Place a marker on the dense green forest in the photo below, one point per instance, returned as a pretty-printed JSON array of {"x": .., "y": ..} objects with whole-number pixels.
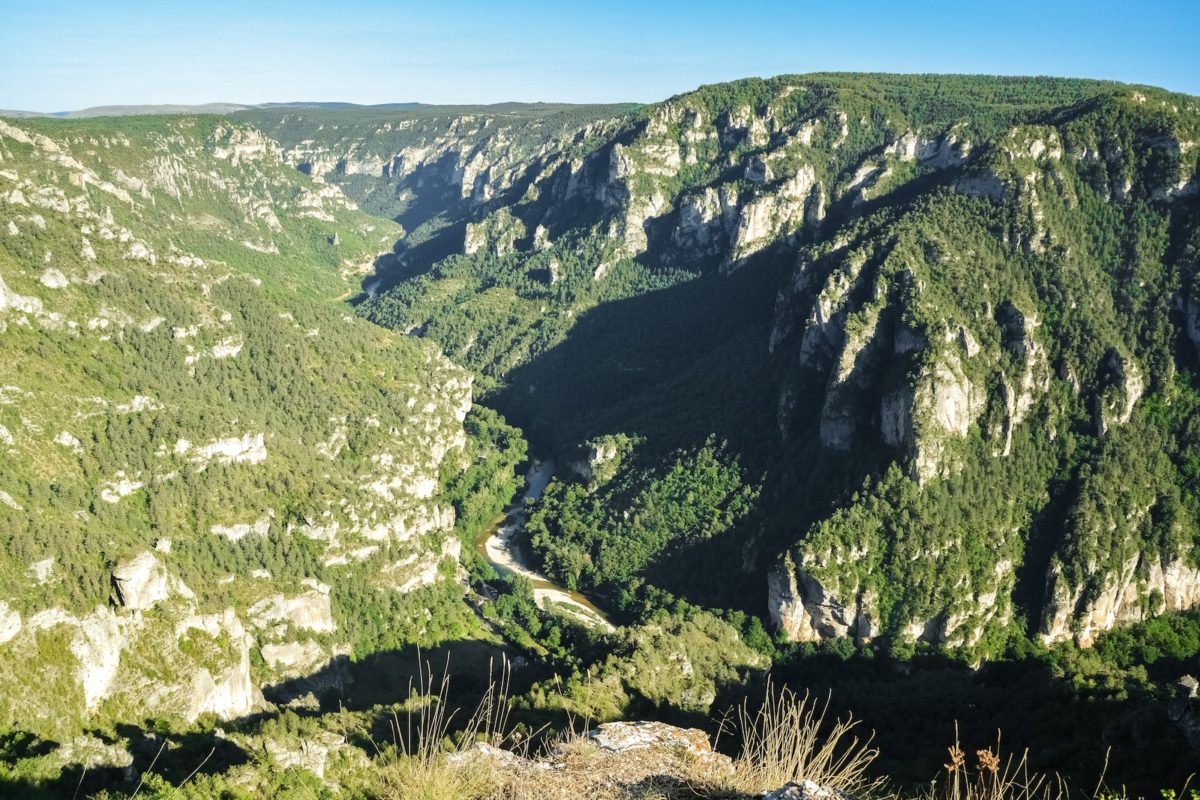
[
  {"x": 882, "y": 386},
  {"x": 951, "y": 385},
  {"x": 1052, "y": 197},
  {"x": 194, "y": 425}
]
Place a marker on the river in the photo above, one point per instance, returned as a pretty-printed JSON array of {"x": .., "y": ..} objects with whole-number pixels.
[{"x": 500, "y": 546}]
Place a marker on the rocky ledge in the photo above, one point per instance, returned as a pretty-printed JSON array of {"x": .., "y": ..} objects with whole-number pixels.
[{"x": 626, "y": 760}]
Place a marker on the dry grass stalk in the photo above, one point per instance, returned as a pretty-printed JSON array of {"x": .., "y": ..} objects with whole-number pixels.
[
  {"x": 993, "y": 779},
  {"x": 787, "y": 739},
  {"x": 421, "y": 769}
]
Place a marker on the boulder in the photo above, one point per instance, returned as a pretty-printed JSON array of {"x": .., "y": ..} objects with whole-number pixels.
[
  {"x": 806, "y": 790},
  {"x": 691, "y": 743}
]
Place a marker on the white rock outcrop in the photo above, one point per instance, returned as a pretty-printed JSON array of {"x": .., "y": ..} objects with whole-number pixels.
[
  {"x": 1140, "y": 588},
  {"x": 10, "y": 623},
  {"x": 240, "y": 530},
  {"x": 98, "y": 643},
  {"x": 311, "y": 754},
  {"x": 775, "y": 215},
  {"x": 248, "y": 449},
  {"x": 310, "y": 610},
  {"x": 143, "y": 582},
  {"x": 1116, "y": 401},
  {"x": 921, "y": 419},
  {"x": 230, "y": 693},
  {"x": 801, "y": 607},
  {"x": 290, "y": 659},
  {"x": 54, "y": 279}
]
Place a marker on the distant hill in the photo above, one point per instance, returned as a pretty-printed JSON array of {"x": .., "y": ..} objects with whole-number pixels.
[{"x": 205, "y": 108}]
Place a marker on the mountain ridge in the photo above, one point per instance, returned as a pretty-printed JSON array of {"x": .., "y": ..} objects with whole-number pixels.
[
  {"x": 884, "y": 384},
  {"x": 157, "y": 109},
  {"x": 647, "y": 218}
]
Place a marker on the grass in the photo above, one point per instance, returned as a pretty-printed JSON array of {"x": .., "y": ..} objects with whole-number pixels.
[
  {"x": 425, "y": 761},
  {"x": 788, "y": 738},
  {"x": 993, "y": 780},
  {"x": 439, "y": 752}
]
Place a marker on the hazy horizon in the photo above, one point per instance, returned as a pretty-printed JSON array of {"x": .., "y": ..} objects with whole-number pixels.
[
  {"x": 332, "y": 101},
  {"x": 69, "y": 56}
]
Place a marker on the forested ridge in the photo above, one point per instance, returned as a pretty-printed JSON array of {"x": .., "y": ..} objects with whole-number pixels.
[
  {"x": 904, "y": 362},
  {"x": 882, "y": 385}
]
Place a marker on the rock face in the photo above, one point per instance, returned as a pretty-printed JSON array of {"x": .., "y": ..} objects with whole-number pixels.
[
  {"x": 498, "y": 234},
  {"x": 944, "y": 405},
  {"x": 228, "y": 692},
  {"x": 465, "y": 161},
  {"x": 1114, "y": 406},
  {"x": 807, "y": 609},
  {"x": 158, "y": 484},
  {"x": 10, "y": 622},
  {"x": 248, "y": 449},
  {"x": 409, "y": 574},
  {"x": 855, "y": 332},
  {"x": 807, "y": 612},
  {"x": 771, "y": 188},
  {"x": 143, "y": 582},
  {"x": 910, "y": 342},
  {"x": 600, "y": 459},
  {"x": 98, "y": 642},
  {"x": 596, "y": 456},
  {"x": 309, "y": 611},
  {"x": 311, "y": 754},
  {"x": 1143, "y": 587},
  {"x": 121, "y": 655},
  {"x": 92, "y": 752},
  {"x": 1184, "y": 709},
  {"x": 707, "y": 220},
  {"x": 294, "y": 658},
  {"x": 775, "y": 215}
]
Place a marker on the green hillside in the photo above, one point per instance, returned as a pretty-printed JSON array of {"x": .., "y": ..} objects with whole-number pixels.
[
  {"x": 879, "y": 385},
  {"x": 206, "y": 456}
]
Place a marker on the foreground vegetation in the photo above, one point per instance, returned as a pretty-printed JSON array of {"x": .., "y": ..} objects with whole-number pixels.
[{"x": 1087, "y": 718}]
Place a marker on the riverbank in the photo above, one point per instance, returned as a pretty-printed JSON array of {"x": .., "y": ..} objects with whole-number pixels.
[{"x": 500, "y": 545}]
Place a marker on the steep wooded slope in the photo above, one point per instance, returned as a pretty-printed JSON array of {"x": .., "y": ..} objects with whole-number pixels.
[
  {"x": 214, "y": 477},
  {"x": 929, "y": 320}
]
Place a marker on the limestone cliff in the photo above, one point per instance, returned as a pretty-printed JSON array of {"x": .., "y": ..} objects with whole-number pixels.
[
  {"x": 177, "y": 282},
  {"x": 978, "y": 294},
  {"x": 929, "y": 337}
]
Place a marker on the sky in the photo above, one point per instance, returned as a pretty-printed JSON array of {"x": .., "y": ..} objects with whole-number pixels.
[{"x": 71, "y": 54}]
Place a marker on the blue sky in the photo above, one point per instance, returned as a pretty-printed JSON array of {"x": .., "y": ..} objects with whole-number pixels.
[{"x": 67, "y": 55}]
